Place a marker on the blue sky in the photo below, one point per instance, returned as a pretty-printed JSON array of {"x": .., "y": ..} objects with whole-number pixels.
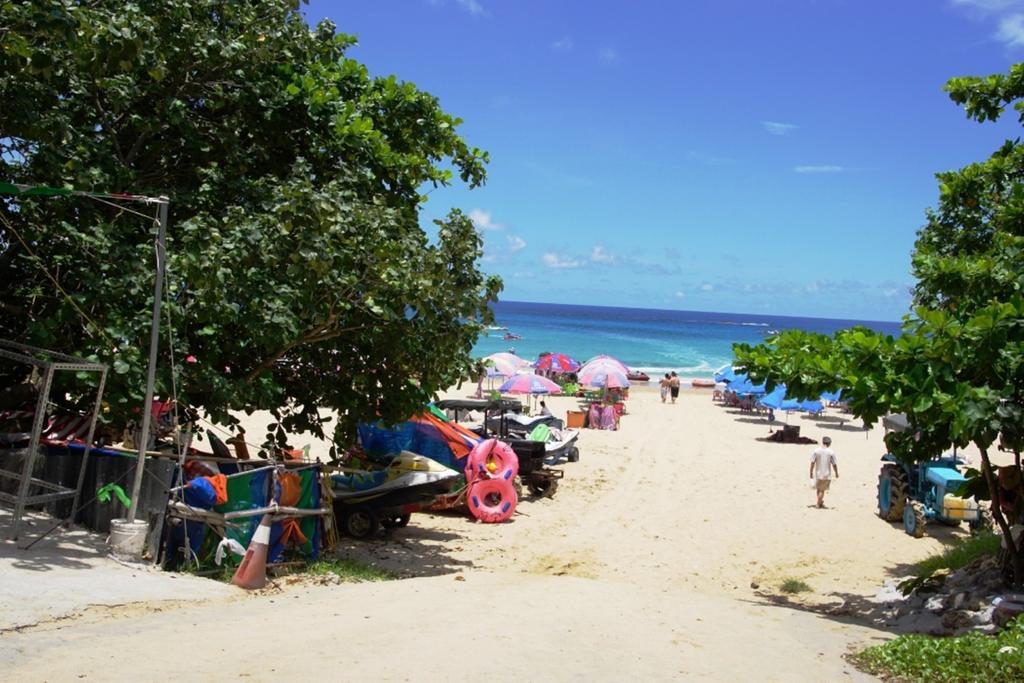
[{"x": 726, "y": 156}]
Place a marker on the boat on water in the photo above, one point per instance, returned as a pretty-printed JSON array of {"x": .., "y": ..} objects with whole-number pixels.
[
  {"x": 497, "y": 328},
  {"x": 638, "y": 376},
  {"x": 509, "y": 336}
]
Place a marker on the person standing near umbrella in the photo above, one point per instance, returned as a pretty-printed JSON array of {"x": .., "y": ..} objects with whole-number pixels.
[{"x": 673, "y": 386}]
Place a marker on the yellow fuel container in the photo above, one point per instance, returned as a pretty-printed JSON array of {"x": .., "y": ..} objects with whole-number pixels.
[{"x": 955, "y": 507}]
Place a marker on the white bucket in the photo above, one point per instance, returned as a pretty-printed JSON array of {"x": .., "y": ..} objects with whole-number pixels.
[{"x": 127, "y": 540}]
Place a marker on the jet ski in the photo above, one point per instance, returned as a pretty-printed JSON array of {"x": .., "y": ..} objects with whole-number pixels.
[{"x": 366, "y": 500}]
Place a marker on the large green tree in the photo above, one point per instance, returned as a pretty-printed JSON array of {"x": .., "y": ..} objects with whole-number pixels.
[
  {"x": 300, "y": 277},
  {"x": 957, "y": 369}
]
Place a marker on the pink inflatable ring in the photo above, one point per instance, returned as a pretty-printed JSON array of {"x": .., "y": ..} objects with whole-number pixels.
[
  {"x": 491, "y": 459},
  {"x": 492, "y": 500}
]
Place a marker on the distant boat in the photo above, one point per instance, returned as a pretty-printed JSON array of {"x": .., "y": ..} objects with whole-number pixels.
[
  {"x": 511, "y": 337},
  {"x": 637, "y": 376}
]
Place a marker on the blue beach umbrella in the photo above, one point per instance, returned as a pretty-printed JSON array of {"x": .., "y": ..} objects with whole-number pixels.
[
  {"x": 726, "y": 374},
  {"x": 832, "y": 396},
  {"x": 742, "y": 385}
]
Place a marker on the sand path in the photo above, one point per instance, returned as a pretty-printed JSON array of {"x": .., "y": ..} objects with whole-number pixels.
[{"x": 642, "y": 564}]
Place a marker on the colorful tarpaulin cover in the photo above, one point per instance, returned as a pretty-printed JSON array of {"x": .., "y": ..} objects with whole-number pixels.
[{"x": 445, "y": 442}]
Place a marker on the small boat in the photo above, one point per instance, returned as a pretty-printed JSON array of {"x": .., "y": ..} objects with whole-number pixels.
[
  {"x": 365, "y": 500},
  {"x": 637, "y": 376},
  {"x": 512, "y": 337},
  {"x": 497, "y": 328},
  {"x": 703, "y": 383}
]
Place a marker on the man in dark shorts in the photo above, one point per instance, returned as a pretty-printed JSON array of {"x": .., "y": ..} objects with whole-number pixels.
[{"x": 673, "y": 386}]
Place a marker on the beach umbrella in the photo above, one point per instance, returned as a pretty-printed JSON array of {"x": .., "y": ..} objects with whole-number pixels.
[
  {"x": 777, "y": 400},
  {"x": 529, "y": 384},
  {"x": 726, "y": 374},
  {"x": 499, "y": 367},
  {"x": 611, "y": 379},
  {"x": 510, "y": 358},
  {"x": 606, "y": 360},
  {"x": 607, "y": 376},
  {"x": 832, "y": 396},
  {"x": 743, "y": 385},
  {"x": 557, "y": 362}
]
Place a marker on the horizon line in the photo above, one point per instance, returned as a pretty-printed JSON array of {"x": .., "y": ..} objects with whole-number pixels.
[{"x": 689, "y": 310}]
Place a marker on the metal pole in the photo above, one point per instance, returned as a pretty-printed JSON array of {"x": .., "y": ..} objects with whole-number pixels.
[{"x": 154, "y": 338}]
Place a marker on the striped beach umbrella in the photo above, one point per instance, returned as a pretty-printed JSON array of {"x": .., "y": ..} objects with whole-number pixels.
[
  {"x": 557, "y": 362},
  {"x": 529, "y": 384}
]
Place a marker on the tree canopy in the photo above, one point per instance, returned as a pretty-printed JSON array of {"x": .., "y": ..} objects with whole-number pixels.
[
  {"x": 957, "y": 369},
  {"x": 300, "y": 277}
]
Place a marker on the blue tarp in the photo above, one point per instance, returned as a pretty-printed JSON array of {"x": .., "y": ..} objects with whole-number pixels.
[{"x": 778, "y": 401}]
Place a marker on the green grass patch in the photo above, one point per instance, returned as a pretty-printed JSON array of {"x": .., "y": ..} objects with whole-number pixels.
[
  {"x": 971, "y": 657},
  {"x": 930, "y": 572},
  {"x": 794, "y": 586},
  {"x": 349, "y": 571},
  {"x": 960, "y": 554}
]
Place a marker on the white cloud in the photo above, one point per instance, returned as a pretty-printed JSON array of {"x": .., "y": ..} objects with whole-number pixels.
[
  {"x": 818, "y": 169},
  {"x": 564, "y": 43},
  {"x": 600, "y": 255},
  {"x": 482, "y": 220},
  {"x": 1011, "y": 30},
  {"x": 525, "y": 274},
  {"x": 889, "y": 293},
  {"x": 515, "y": 243},
  {"x": 1008, "y": 13},
  {"x": 609, "y": 55},
  {"x": 471, "y": 6},
  {"x": 777, "y": 128},
  {"x": 989, "y": 6},
  {"x": 707, "y": 287},
  {"x": 680, "y": 295},
  {"x": 553, "y": 260}
]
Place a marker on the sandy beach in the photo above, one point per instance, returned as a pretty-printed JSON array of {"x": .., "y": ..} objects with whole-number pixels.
[{"x": 660, "y": 556}]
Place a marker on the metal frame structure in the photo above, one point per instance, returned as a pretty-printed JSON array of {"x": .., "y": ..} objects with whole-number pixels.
[{"x": 48, "y": 362}]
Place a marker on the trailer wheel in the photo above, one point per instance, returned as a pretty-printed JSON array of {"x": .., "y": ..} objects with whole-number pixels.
[
  {"x": 545, "y": 488},
  {"x": 892, "y": 493},
  {"x": 573, "y": 455},
  {"x": 396, "y": 521},
  {"x": 361, "y": 522},
  {"x": 913, "y": 519}
]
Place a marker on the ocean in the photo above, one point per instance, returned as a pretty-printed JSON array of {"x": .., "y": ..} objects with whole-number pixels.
[{"x": 692, "y": 343}]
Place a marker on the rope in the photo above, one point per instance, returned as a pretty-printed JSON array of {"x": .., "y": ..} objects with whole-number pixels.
[{"x": 39, "y": 264}]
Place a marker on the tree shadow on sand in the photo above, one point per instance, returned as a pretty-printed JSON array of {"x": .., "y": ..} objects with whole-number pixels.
[
  {"x": 851, "y": 608},
  {"x": 411, "y": 551},
  {"x": 62, "y": 548}
]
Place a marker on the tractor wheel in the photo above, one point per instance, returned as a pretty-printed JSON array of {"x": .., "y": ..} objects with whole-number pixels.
[
  {"x": 913, "y": 519},
  {"x": 983, "y": 523},
  {"x": 892, "y": 493},
  {"x": 544, "y": 488},
  {"x": 396, "y": 522},
  {"x": 361, "y": 523}
]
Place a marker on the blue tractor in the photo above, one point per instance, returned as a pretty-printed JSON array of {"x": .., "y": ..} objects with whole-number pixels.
[{"x": 927, "y": 490}]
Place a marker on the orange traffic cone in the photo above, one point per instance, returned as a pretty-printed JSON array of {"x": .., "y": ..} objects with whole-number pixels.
[{"x": 252, "y": 573}]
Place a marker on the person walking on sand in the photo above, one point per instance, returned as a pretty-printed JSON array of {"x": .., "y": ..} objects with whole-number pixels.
[
  {"x": 663, "y": 383},
  {"x": 673, "y": 386},
  {"x": 823, "y": 463}
]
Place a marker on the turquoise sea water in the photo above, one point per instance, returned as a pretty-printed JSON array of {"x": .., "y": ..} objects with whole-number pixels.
[{"x": 694, "y": 344}]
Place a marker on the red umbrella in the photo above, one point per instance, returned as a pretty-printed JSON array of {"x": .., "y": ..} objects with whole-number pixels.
[{"x": 557, "y": 362}]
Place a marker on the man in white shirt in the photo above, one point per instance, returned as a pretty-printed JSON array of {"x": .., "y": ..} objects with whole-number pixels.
[{"x": 823, "y": 463}]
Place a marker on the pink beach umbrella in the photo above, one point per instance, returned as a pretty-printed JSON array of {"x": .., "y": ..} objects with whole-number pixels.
[
  {"x": 529, "y": 384},
  {"x": 605, "y": 361},
  {"x": 606, "y": 376},
  {"x": 504, "y": 364}
]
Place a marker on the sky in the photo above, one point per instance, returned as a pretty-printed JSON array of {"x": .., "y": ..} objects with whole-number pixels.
[{"x": 726, "y": 155}]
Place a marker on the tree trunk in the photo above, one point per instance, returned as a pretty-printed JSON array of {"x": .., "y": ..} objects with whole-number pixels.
[{"x": 997, "y": 514}]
